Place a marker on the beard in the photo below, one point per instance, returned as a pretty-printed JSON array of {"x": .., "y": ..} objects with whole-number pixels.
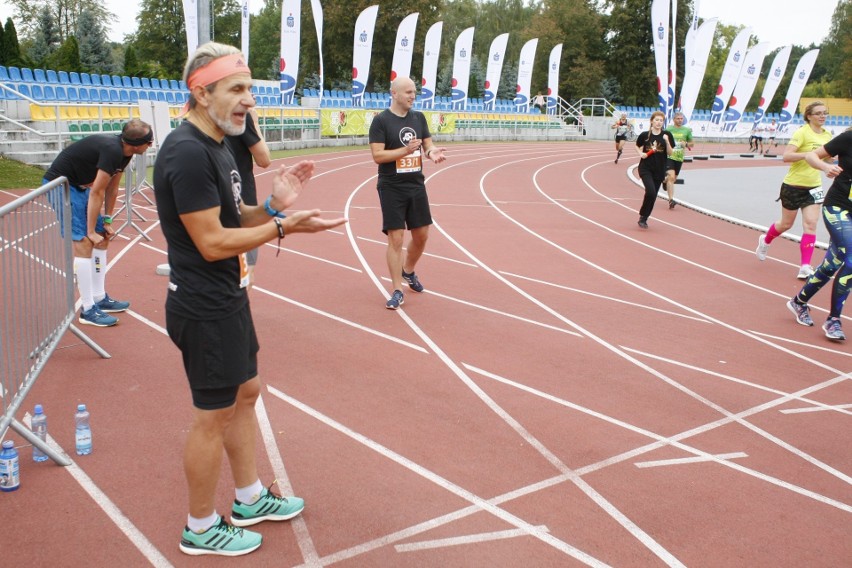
[{"x": 228, "y": 127}]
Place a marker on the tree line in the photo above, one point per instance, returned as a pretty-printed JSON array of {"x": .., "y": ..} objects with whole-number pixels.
[{"x": 606, "y": 44}]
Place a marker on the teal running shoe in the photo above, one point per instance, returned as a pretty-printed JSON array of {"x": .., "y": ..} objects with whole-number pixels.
[
  {"x": 270, "y": 507},
  {"x": 221, "y": 539}
]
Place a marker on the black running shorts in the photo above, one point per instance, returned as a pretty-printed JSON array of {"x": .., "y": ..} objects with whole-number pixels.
[
  {"x": 218, "y": 355},
  {"x": 403, "y": 208},
  {"x": 794, "y": 197}
]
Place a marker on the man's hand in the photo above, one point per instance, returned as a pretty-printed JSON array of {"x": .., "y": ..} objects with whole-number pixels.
[
  {"x": 310, "y": 222},
  {"x": 96, "y": 238},
  {"x": 437, "y": 155},
  {"x": 289, "y": 182}
]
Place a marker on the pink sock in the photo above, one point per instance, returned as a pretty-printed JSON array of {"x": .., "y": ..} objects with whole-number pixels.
[
  {"x": 771, "y": 234},
  {"x": 807, "y": 247}
]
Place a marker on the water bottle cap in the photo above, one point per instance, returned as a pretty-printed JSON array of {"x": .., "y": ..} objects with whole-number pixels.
[
  {"x": 81, "y": 407},
  {"x": 8, "y": 444},
  {"x": 39, "y": 409}
]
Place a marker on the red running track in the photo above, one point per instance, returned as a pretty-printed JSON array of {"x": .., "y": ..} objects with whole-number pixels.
[{"x": 569, "y": 390}]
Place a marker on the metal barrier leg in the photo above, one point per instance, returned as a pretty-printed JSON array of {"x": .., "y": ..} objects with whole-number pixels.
[
  {"x": 88, "y": 341},
  {"x": 137, "y": 172},
  {"x": 28, "y": 435}
]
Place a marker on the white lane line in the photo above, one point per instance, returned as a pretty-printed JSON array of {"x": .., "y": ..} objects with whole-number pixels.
[
  {"x": 696, "y": 459},
  {"x": 820, "y": 408},
  {"x": 343, "y": 321},
  {"x": 462, "y": 540},
  {"x": 300, "y": 527},
  {"x": 831, "y": 350},
  {"x": 637, "y": 532},
  {"x": 663, "y": 441},
  {"x": 602, "y": 297},
  {"x": 444, "y": 258},
  {"x": 445, "y": 484},
  {"x": 102, "y": 500},
  {"x": 756, "y": 386}
]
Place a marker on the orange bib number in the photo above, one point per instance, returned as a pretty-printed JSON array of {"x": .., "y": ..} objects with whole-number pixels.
[
  {"x": 244, "y": 273},
  {"x": 409, "y": 164}
]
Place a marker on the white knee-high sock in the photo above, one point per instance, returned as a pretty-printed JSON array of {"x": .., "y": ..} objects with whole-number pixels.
[
  {"x": 99, "y": 266},
  {"x": 83, "y": 270}
]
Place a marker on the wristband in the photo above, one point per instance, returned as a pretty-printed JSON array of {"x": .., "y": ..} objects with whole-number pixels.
[
  {"x": 280, "y": 228},
  {"x": 270, "y": 211},
  {"x": 107, "y": 220}
]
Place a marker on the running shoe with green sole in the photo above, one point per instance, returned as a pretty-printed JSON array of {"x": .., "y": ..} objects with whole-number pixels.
[
  {"x": 270, "y": 507},
  {"x": 221, "y": 539}
]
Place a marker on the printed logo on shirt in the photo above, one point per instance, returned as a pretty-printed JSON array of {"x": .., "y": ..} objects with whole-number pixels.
[
  {"x": 237, "y": 188},
  {"x": 406, "y": 135}
]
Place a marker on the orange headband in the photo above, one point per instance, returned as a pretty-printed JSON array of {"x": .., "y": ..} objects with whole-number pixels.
[{"x": 218, "y": 69}]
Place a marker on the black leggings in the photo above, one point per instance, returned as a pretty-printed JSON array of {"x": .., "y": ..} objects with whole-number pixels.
[{"x": 652, "y": 185}]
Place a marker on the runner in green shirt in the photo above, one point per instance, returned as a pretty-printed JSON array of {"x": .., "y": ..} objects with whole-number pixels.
[{"x": 683, "y": 139}]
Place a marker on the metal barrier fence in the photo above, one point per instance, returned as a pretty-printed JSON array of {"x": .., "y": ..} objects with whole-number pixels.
[{"x": 37, "y": 296}]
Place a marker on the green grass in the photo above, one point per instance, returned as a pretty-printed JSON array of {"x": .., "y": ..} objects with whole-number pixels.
[{"x": 17, "y": 175}]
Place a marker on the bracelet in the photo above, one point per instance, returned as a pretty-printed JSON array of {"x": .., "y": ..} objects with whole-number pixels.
[
  {"x": 107, "y": 220},
  {"x": 280, "y": 228},
  {"x": 270, "y": 211}
]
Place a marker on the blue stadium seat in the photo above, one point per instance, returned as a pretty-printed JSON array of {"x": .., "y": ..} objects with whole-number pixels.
[
  {"x": 24, "y": 89},
  {"x": 15, "y": 74},
  {"x": 155, "y": 83},
  {"x": 106, "y": 80},
  {"x": 124, "y": 95},
  {"x": 93, "y": 94},
  {"x": 4, "y": 73},
  {"x": 61, "y": 93},
  {"x": 96, "y": 79},
  {"x": 182, "y": 85},
  {"x": 170, "y": 97},
  {"x": 85, "y": 79},
  {"x": 173, "y": 85},
  {"x": 103, "y": 95},
  {"x": 74, "y": 78},
  {"x": 116, "y": 81},
  {"x": 27, "y": 75},
  {"x": 146, "y": 83},
  {"x": 114, "y": 97},
  {"x": 143, "y": 95},
  {"x": 52, "y": 77},
  {"x": 39, "y": 76},
  {"x": 126, "y": 82},
  {"x": 37, "y": 92},
  {"x": 73, "y": 94},
  {"x": 161, "y": 96},
  {"x": 134, "y": 97},
  {"x": 137, "y": 84}
]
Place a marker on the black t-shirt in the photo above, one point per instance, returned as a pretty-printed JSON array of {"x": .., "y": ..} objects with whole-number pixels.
[
  {"x": 840, "y": 192},
  {"x": 394, "y": 132},
  {"x": 240, "y": 145},
  {"x": 656, "y": 162},
  {"x": 81, "y": 161},
  {"x": 194, "y": 173}
]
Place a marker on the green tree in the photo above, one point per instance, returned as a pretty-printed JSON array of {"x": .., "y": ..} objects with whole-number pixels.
[
  {"x": 65, "y": 15},
  {"x": 45, "y": 40},
  {"x": 226, "y": 22},
  {"x": 131, "y": 63},
  {"x": 160, "y": 38},
  {"x": 836, "y": 52},
  {"x": 67, "y": 57},
  {"x": 10, "y": 47},
  {"x": 95, "y": 53}
]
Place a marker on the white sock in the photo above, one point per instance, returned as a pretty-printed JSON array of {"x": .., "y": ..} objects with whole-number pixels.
[
  {"x": 99, "y": 266},
  {"x": 201, "y": 525},
  {"x": 249, "y": 495},
  {"x": 83, "y": 270}
]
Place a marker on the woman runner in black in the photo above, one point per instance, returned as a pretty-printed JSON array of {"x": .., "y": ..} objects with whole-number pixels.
[{"x": 654, "y": 147}]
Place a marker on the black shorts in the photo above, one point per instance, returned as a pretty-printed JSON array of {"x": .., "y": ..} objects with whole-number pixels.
[
  {"x": 620, "y": 137},
  {"x": 795, "y": 197},
  {"x": 218, "y": 355},
  {"x": 673, "y": 165},
  {"x": 403, "y": 208}
]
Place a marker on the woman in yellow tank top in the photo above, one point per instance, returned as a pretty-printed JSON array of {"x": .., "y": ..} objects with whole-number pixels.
[{"x": 801, "y": 189}]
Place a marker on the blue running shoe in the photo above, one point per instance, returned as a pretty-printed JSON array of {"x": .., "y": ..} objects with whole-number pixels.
[
  {"x": 269, "y": 507},
  {"x": 801, "y": 311},
  {"x": 413, "y": 281},
  {"x": 221, "y": 539},
  {"x": 108, "y": 305},
  {"x": 396, "y": 300},
  {"x": 93, "y": 316},
  {"x": 833, "y": 330}
]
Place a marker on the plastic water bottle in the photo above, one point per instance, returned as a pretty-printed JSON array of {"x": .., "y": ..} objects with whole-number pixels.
[
  {"x": 10, "y": 473},
  {"x": 39, "y": 426},
  {"x": 83, "y": 434}
]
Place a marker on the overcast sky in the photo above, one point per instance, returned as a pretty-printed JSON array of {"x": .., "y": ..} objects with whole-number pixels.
[{"x": 780, "y": 22}]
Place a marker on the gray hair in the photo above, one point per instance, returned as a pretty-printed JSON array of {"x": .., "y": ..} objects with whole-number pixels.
[{"x": 204, "y": 55}]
